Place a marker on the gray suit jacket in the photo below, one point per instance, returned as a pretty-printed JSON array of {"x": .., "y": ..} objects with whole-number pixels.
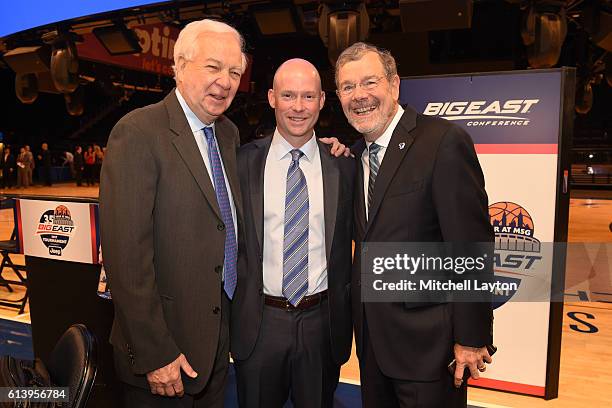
[{"x": 163, "y": 241}]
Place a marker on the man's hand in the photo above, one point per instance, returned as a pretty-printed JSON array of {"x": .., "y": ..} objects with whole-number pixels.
[
  {"x": 337, "y": 149},
  {"x": 472, "y": 358},
  {"x": 167, "y": 381}
]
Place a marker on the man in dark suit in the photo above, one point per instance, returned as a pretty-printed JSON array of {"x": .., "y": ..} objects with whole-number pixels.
[
  {"x": 171, "y": 219},
  {"x": 79, "y": 165},
  {"x": 45, "y": 161},
  {"x": 7, "y": 162},
  {"x": 418, "y": 180},
  {"x": 291, "y": 323}
]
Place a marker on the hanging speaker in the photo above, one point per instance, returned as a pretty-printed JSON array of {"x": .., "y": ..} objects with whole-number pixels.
[
  {"x": 27, "y": 60},
  {"x": 26, "y": 87},
  {"x": 543, "y": 34},
  {"x": 65, "y": 66}
]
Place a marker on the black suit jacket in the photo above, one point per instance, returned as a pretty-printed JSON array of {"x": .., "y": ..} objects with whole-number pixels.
[
  {"x": 429, "y": 188},
  {"x": 163, "y": 241},
  {"x": 247, "y": 306},
  {"x": 7, "y": 164}
]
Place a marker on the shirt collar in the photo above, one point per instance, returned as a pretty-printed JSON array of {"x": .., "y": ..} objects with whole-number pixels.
[
  {"x": 194, "y": 122},
  {"x": 385, "y": 138},
  {"x": 280, "y": 147}
]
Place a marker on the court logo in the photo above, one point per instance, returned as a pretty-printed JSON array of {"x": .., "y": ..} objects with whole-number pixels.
[
  {"x": 512, "y": 112},
  {"x": 517, "y": 250},
  {"x": 55, "y": 228}
]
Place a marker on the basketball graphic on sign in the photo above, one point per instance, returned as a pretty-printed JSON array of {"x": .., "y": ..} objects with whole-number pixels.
[
  {"x": 55, "y": 228},
  {"x": 516, "y": 248}
]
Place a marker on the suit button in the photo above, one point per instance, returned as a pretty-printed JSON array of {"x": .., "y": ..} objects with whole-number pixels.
[
  {"x": 260, "y": 291},
  {"x": 220, "y": 227},
  {"x": 218, "y": 268},
  {"x": 358, "y": 283},
  {"x": 216, "y": 309}
]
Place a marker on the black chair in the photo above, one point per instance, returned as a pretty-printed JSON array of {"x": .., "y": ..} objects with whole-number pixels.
[
  {"x": 73, "y": 363},
  {"x": 8, "y": 247}
]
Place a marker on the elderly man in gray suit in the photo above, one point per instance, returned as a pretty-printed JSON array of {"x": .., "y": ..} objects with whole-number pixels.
[{"x": 170, "y": 220}]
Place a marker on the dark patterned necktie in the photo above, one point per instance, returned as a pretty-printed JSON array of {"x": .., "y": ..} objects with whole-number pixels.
[
  {"x": 374, "y": 166},
  {"x": 231, "y": 247}
]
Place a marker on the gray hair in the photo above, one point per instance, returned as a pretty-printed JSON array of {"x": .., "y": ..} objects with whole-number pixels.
[
  {"x": 186, "y": 43},
  {"x": 356, "y": 51}
]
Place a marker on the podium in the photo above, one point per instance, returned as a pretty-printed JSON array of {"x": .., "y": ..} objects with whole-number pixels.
[{"x": 60, "y": 240}]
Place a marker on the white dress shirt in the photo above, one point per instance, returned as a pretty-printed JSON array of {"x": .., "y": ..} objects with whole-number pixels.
[
  {"x": 275, "y": 188},
  {"x": 383, "y": 142},
  {"x": 196, "y": 126}
]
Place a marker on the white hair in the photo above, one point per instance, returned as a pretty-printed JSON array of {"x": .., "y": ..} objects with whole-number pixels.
[{"x": 186, "y": 43}]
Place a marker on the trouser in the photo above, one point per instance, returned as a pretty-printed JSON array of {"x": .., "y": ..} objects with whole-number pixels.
[
  {"x": 292, "y": 357},
  {"x": 381, "y": 391}
]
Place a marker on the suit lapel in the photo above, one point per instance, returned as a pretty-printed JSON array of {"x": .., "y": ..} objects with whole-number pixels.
[
  {"x": 331, "y": 190},
  {"x": 359, "y": 203},
  {"x": 400, "y": 143},
  {"x": 188, "y": 149},
  {"x": 257, "y": 165}
]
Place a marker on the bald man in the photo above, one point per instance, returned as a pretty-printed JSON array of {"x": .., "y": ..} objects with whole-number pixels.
[{"x": 291, "y": 322}]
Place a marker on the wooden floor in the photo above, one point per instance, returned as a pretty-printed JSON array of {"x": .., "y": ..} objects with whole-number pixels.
[{"x": 586, "y": 358}]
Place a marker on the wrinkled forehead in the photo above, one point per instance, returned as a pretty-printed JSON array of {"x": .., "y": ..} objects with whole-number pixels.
[{"x": 369, "y": 65}]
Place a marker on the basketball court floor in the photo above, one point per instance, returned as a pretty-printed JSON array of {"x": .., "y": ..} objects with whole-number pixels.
[{"x": 586, "y": 350}]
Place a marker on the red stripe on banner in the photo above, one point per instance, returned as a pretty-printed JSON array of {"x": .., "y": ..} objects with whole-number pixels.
[
  {"x": 517, "y": 148},
  {"x": 92, "y": 224},
  {"x": 19, "y": 228},
  {"x": 508, "y": 386}
]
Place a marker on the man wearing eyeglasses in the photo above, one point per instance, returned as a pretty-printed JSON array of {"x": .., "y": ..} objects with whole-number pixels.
[{"x": 418, "y": 180}]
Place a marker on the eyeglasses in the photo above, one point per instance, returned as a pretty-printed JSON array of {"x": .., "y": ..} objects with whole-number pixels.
[{"x": 367, "y": 85}]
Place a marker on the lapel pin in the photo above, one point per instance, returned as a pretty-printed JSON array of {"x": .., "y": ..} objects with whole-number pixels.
[{"x": 402, "y": 145}]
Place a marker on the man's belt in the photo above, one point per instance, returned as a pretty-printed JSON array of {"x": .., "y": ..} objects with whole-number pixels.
[{"x": 306, "y": 302}]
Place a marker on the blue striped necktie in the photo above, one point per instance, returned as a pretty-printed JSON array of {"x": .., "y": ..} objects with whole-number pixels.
[
  {"x": 295, "y": 243},
  {"x": 374, "y": 166},
  {"x": 231, "y": 247}
]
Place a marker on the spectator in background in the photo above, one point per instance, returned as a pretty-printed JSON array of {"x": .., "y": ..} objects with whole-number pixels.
[
  {"x": 23, "y": 168},
  {"x": 78, "y": 165},
  {"x": 99, "y": 158},
  {"x": 7, "y": 163},
  {"x": 90, "y": 162},
  {"x": 69, "y": 160},
  {"x": 45, "y": 160},
  {"x": 32, "y": 165}
]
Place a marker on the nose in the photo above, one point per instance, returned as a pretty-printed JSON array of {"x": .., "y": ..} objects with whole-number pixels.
[
  {"x": 298, "y": 106},
  {"x": 359, "y": 93},
  {"x": 224, "y": 80}
]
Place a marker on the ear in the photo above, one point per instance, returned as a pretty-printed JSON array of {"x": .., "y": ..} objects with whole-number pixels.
[
  {"x": 271, "y": 98},
  {"x": 180, "y": 66},
  {"x": 395, "y": 87},
  {"x": 322, "y": 100}
]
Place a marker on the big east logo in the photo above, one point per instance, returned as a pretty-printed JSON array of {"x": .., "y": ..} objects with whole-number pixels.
[
  {"x": 55, "y": 229},
  {"x": 511, "y": 112},
  {"x": 517, "y": 251}
]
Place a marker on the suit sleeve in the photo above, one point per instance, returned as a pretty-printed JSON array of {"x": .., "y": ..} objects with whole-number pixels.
[
  {"x": 127, "y": 201},
  {"x": 461, "y": 204}
]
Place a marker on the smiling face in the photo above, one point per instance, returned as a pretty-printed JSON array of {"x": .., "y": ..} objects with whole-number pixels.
[
  {"x": 209, "y": 81},
  {"x": 297, "y": 99},
  {"x": 368, "y": 111}
]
